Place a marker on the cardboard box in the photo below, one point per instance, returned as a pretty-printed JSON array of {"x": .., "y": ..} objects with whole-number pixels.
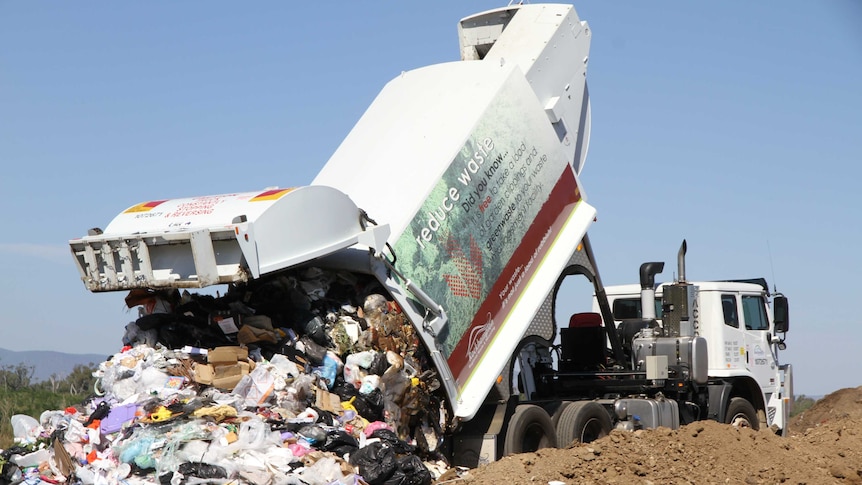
[
  {"x": 225, "y": 367},
  {"x": 227, "y": 355}
]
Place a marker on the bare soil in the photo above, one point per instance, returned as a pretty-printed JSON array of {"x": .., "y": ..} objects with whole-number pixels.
[{"x": 824, "y": 447}]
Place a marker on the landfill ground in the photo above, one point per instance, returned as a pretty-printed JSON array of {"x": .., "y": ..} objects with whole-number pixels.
[{"x": 824, "y": 447}]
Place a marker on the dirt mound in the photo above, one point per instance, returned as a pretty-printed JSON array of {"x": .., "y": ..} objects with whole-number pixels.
[
  {"x": 706, "y": 452},
  {"x": 840, "y": 405}
]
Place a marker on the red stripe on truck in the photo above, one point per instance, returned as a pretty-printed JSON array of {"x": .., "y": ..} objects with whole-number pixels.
[{"x": 500, "y": 301}]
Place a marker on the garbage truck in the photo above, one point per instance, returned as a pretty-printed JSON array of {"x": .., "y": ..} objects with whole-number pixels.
[{"x": 457, "y": 195}]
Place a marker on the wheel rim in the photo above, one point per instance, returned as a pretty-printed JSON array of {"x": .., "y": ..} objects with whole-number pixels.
[
  {"x": 740, "y": 421},
  {"x": 592, "y": 431},
  {"x": 530, "y": 429},
  {"x": 534, "y": 438}
]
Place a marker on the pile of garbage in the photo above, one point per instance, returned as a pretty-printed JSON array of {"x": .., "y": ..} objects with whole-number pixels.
[{"x": 306, "y": 378}]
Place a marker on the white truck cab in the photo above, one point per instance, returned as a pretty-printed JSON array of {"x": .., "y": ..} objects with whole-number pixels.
[{"x": 736, "y": 319}]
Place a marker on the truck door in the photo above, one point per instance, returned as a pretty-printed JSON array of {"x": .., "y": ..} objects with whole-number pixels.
[{"x": 760, "y": 360}]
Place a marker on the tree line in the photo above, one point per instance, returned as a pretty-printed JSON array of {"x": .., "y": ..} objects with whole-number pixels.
[
  {"x": 20, "y": 393},
  {"x": 20, "y": 376}
]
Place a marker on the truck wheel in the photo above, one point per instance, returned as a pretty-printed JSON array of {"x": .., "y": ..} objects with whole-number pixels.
[
  {"x": 741, "y": 414},
  {"x": 582, "y": 422},
  {"x": 555, "y": 418},
  {"x": 530, "y": 429}
]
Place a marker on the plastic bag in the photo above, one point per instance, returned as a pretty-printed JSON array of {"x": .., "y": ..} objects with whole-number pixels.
[
  {"x": 362, "y": 359},
  {"x": 202, "y": 470},
  {"x": 375, "y": 303},
  {"x": 255, "y": 388},
  {"x": 255, "y": 434},
  {"x": 369, "y": 384},
  {"x": 376, "y": 463},
  {"x": 315, "y": 328},
  {"x": 137, "y": 450},
  {"x": 374, "y": 426},
  {"x": 370, "y": 406},
  {"x": 135, "y": 335},
  {"x": 313, "y": 434},
  {"x": 101, "y": 411},
  {"x": 410, "y": 471},
  {"x": 25, "y": 428},
  {"x": 389, "y": 437},
  {"x": 353, "y": 375},
  {"x": 379, "y": 365},
  {"x": 285, "y": 365},
  {"x": 322, "y": 472},
  {"x": 340, "y": 443},
  {"x": 328, "y": 370},
  {"x": 278, "y": 459},
  {"x": 312, "y": 350}
]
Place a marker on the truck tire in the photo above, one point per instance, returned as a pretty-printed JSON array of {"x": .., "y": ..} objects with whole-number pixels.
[
  {"x": 530, "y": 429},
  {"x": 582, "y": 422},
  {"x": 555, "y": 418},
  {"x": 741, "y": 414}
]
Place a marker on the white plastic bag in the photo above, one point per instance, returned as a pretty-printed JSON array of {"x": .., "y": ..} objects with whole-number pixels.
[
  {"x": 256, "y": 387},
  {"x": 25, "y": 429}
]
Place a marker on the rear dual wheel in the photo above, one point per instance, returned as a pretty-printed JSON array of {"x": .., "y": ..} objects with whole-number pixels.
[
  {"x": 530, "y": 429},
  {"x": 582, "y": 422}
]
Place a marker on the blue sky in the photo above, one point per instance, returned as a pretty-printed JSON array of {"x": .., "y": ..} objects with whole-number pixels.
[{"x": 736, "y": 125}]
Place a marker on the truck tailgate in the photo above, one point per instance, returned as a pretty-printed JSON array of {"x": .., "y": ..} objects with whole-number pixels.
[{"x": 200, "y": 241}]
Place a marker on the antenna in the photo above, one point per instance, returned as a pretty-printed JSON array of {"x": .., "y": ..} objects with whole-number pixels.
[{"x": 771, "y": 267}]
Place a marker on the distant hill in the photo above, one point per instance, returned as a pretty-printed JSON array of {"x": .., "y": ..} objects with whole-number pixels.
[{"x": 46, "y": 362}]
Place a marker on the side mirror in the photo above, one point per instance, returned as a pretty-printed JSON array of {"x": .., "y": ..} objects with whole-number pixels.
[{"x": 781, "y": 313}]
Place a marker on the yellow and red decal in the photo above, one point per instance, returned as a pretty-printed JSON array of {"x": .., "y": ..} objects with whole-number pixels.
[
  {"x": 144, "y": 206},
  {"x": 273, "y": 194}
]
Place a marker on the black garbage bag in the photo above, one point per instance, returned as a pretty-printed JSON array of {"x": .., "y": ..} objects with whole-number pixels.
[
  {"x": 340, "y": 443},
  {"x": 410, "y": 471},
  {"x": 177, "y": 334},
  {"x": 344, "y": 390},
  {"x": 202, "y": 470},
  {"x": 288, "y": 349},
  {"x": 343, "y": 450},
  {"x": 391, "y": 439},
  {"x": 100, "y": 412},
  {"x": 9, "y": 472},
  {"x": 339, "y": 438},
  {"x": 325, "y": 417},
  {"x": 155, "y": 320},
  {"x": 313, "y": 350},
  {"x": 299, "y": 300},
  {"x": 370, "y": 406},
  {"x": 379, "y": 365},
  {"x": 376, "y": 463},
  {"x": 315, "y": 328}
]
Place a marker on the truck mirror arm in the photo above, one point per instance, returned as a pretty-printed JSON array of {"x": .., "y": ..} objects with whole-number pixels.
[
  {"x": 433, "y": 326},
  {"x": 776, "y": 340}
]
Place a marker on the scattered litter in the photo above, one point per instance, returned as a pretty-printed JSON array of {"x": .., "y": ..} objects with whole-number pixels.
[{"x": 312, "y": 378}]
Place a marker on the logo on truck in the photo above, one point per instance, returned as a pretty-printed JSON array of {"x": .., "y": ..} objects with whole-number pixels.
[{"x": 479, "y": 337}]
